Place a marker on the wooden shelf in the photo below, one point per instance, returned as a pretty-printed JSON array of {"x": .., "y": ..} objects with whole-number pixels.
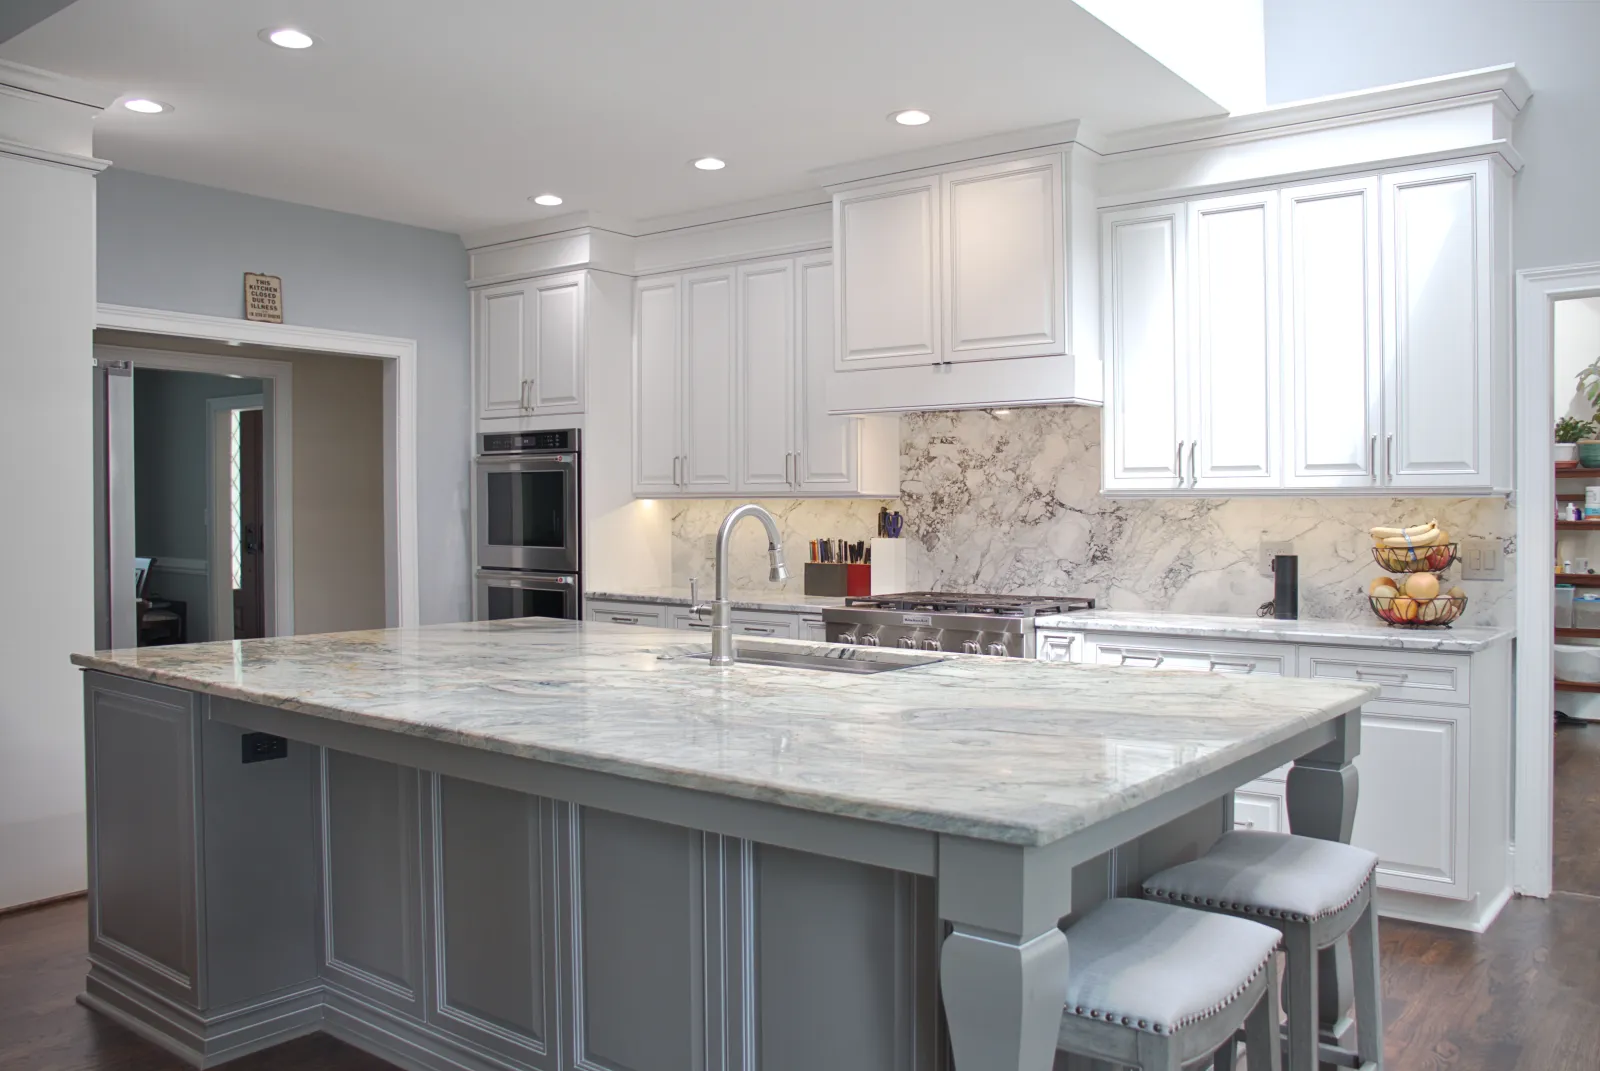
[
  {"x": 1572, "y": 474},
  {"x": 1579, "y": 580},
  {"x": 1578, "y": 526},
  {"x": 1576, "y": 686},
  {"x": 1578, "y": 633}
]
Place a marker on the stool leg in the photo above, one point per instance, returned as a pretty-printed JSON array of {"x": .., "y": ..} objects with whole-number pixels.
[
  {"x": 1368, "y": 984},
  {"x": 1263, "y": 1050},
  {"x": 1302, "y": 997},
  {"x": 1227, "y": 1057},
  {"x": 1159, "y": 1052}
]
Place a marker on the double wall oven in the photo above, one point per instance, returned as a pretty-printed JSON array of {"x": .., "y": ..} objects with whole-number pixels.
[{"x": 528, "y": 488}]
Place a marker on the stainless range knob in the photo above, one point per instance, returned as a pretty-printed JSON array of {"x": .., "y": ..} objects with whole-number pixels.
[
  {"x": 907, "y": 642},
  {"x": 998, "y": 650},
  {"x": 971, "y": 647},
  {"x": 870, "y": 639},
  {"x": 930, "y": 645},
  {"x": 847, "y": 637}
]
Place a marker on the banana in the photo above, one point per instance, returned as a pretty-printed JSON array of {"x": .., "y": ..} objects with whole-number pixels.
[
  {"x": 1427, "y": 539},
  {"x": 1413, "y": 532}
]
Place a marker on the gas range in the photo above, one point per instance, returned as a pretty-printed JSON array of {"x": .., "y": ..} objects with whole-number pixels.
[{"x": 998, "y": 625}]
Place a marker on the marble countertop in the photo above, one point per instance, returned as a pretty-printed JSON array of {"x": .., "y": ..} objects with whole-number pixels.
[
  {"x": 771, "y": 599},
  {"x": 1456, "y": 639},
  {"x": 1006, "y": 750}
]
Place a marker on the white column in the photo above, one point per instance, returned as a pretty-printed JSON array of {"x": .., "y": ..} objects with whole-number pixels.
[{"x": 47, "y": 312}]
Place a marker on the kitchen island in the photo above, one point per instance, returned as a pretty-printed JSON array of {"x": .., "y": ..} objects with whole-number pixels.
[{"x": 552, "y": 844}]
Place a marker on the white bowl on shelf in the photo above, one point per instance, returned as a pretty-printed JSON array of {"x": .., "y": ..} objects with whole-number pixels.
[{"x": 1578, "y": 664}]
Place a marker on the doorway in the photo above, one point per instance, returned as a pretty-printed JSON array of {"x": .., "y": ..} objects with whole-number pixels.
[{"x": 236, "y": 515}]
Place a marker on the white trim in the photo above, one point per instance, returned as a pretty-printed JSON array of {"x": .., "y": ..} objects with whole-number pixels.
[
  {"x": 187, "y": 566},
  {"x": 219, "y": 550},
  {"x": 400, "y": 415},
  {"x": 1532, "y": 810},
  {"x": 60, "y": 86},
  {"x": 65, "y": 159}
]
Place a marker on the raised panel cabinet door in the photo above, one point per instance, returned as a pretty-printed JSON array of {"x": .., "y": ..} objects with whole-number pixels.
[
  {"x": 494, "y": 926},
  {"x": 141, "y": 743},
  {"x": 766, "y": 376},
  {"x": 1438, "y": 301},
  {"x": 1414, "y": 804},
  {"x": 826, "y": 447},
  {"x": 1146, "y": 417},
  {"x": 1004, "y": 291},
  {"x": 503, "y": 335},
  {"x": 886, "y": 241},
  {"x": 1233, "y": 376},
  {"x": 657, "y": 377},
  {"x": 710, "y": 424},
  {"x": 639, "y": 962},
  {"x": 1332, "y": 333},
  {"x": 372, "y": 879},
  {"x": 559, "y": 311}
]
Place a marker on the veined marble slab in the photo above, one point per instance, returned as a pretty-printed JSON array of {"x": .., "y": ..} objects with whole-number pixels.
[
  {"x": 1457, "y": 639},
  {"x": 1006, "y": 750},
  {"x": 775, "y": 600}
]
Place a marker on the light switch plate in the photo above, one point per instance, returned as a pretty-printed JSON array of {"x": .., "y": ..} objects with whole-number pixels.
[
  {"x": 1482, "y": 559},
  {"x": 1271, "y": 548}
]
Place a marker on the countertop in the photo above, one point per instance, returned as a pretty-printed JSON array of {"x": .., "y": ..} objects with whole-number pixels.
[
  {"x": 771, "y": 600},
  {"x": 1455, "y": 639},
  {"x": 1005, "y": 750}
]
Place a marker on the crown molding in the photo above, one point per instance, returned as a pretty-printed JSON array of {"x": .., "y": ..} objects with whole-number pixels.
[
  {"x": 1072, "y": 132},
  {"x": 90, "y": 94}
]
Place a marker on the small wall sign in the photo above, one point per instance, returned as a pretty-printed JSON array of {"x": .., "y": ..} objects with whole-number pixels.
[{"x": 263, "y": 298}]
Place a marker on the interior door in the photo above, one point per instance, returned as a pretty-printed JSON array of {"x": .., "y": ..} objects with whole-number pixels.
[
  {"x": 1332, "y": 333},
  {"x": 766, "y": 376},
  {"x": 710, "y": 425},
  {"x": 1233, "y": 372},
  {"x": 1146, "y": 421},
  {"x": 249, "y": 598}
]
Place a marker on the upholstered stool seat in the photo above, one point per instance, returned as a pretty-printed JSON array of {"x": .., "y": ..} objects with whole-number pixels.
[
  {"x": 1157, "y": 987},
  {"x": 1314, "y": 892}
]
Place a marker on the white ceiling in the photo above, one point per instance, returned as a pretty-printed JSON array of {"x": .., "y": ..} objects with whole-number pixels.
[{"x": 450, "y": 115}]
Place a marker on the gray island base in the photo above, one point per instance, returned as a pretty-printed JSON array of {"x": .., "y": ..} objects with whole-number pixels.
[{"x": 565, "y": 845}]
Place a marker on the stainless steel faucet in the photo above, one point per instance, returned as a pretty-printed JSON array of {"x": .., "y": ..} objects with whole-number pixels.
[{"x": 721, "y": 610}]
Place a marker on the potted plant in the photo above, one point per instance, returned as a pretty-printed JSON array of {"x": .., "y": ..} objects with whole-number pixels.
[{"x": 1569, "y": 432}]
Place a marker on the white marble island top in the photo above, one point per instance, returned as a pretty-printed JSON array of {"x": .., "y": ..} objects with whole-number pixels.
[
  {"x": 1006, "y": 750},
  {"x": 1460, "y": 639}
]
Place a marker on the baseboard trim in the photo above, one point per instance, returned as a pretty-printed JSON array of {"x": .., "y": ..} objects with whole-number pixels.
[
  {"x": 48, "y": 901},
  {"x": 1475, "y": 915},
  {"x": 410, "y": 1045}
]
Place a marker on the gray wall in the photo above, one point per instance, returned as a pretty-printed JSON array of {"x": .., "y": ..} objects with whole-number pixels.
[
  {"x": 174, "y": 245},
  {"x": 1315, "y": 47},
  {"x": 169, "y": 478}
]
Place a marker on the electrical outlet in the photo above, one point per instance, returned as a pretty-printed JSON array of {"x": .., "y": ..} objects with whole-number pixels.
[
  {"x": 1482, "y": 559},
  {"x": 1271, "y": 548}
]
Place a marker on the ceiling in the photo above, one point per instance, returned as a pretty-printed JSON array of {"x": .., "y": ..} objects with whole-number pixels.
[{"x": 451, "y": 115}]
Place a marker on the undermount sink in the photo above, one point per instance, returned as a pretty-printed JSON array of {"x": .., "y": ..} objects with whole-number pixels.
[{"x": 823, "y": 659}]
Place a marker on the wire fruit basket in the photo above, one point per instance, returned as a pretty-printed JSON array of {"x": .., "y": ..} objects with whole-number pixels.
[
  {"x": 1402, "y": 611},
  {"x": 1434, "y": 559}
]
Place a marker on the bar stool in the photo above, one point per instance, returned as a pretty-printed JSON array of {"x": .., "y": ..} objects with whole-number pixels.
[
  {"x": 1315, "y": 892},
  {"x": 1157, "y": 987}
]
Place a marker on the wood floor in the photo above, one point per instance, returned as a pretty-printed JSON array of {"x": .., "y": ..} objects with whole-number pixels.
[{"x": 1523, "y": 997}]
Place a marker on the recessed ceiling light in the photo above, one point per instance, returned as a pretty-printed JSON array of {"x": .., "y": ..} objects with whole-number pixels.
[
  {"x": 911, "y": 117},
  {"x": 710, "y": 163},
  {"x": 146, "y": 107},
  {"x": 287, "y": 37},
  {"x": 549, "y": 200}
]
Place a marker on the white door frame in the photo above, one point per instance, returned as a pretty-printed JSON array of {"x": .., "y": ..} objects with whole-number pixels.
[
  {"x": 399, "y": 356},
  {"x": 1538, "y": 290},
  {"x": 219, "y": 542}
]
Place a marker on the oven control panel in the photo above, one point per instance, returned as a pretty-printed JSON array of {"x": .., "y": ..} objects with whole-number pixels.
[{"x": 529, "y": 442}]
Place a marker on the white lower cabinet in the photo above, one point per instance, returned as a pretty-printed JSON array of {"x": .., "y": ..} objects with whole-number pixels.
[
  {"x": 1263, "y": 811},
  {"x": 626, "y": 613},
  {"x": 777, "y": 624},
  {"x": 745, "y": 623},
  {"x": 1414, "y": 762}
]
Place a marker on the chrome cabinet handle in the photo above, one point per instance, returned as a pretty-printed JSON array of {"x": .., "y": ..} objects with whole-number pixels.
[
  {"x": 675, "y": 471},
  {"x": 1194, "y": 475},
  {"x": 1388, "y": 458},
  {"x": 759, "y": 630},
  {"x": 1216, "y": 664},
  {"x": 1379, "y": 675},
  {"x": 620, "y": 619},
  {"x": 1180, "y": 462},
  {"x": 1243, "y": 823},
  {"x": 1155, "y": 660},
  {"x": 788, "y": 464},
  {"x": 797, "y": 468},
  {"x": 1372, "y": 458}
]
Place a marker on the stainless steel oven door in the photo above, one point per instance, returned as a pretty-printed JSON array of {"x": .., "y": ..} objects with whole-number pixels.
[
  {"x": 503, "y": 595},
  {"x": 528, "y": 512}
]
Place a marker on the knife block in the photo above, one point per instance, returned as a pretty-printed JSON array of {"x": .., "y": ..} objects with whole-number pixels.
[{"x": 838, "y": 579}]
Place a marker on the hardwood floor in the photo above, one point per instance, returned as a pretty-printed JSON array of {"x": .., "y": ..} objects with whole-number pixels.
[{"x": 1521, "y": 997}]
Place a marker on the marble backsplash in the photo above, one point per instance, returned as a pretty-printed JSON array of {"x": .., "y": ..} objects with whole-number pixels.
[{"x": 1009, "y": 502}]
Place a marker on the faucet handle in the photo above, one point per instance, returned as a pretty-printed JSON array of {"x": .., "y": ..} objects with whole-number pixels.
[{"x": 696, "y": 607}]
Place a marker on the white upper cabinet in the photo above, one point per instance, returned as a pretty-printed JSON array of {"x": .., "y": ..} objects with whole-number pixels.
[
  {"x": 964, "y": 287},
  {"x": 1437, "y": 327},
  {"x": 887, "y": 241},
  {"x": 766, "y": 376},
  {"x": 1146, "y": 422},
  {"x": 1004, "y": 289},
  {"x": 657, "y": 379},
  {"x": 1332, "y": 299},
  {"x": 529, "y": 339},
  {"x": 502, "y": 335},
  {"x": 827, "y": 445},
  {"x": 708, "y": 381},
  {"x": 1233, "y": 326},
  {"x": 1350, "y": 335}
]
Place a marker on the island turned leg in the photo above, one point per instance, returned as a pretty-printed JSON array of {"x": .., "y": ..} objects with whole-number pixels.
[
  {"x": 1323, "y": 790},
  {"x": 1003, "y": 969}
]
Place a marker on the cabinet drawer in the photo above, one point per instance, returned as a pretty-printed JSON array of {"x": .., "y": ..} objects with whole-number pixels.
[
  {"x": 626, "y": 613},
  {"x": 1161, "y": 652},
  {"x": 745, "y": 623},
  {"x": 1261, "y": 806},
  {"x": 1419, "y": 677}
]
